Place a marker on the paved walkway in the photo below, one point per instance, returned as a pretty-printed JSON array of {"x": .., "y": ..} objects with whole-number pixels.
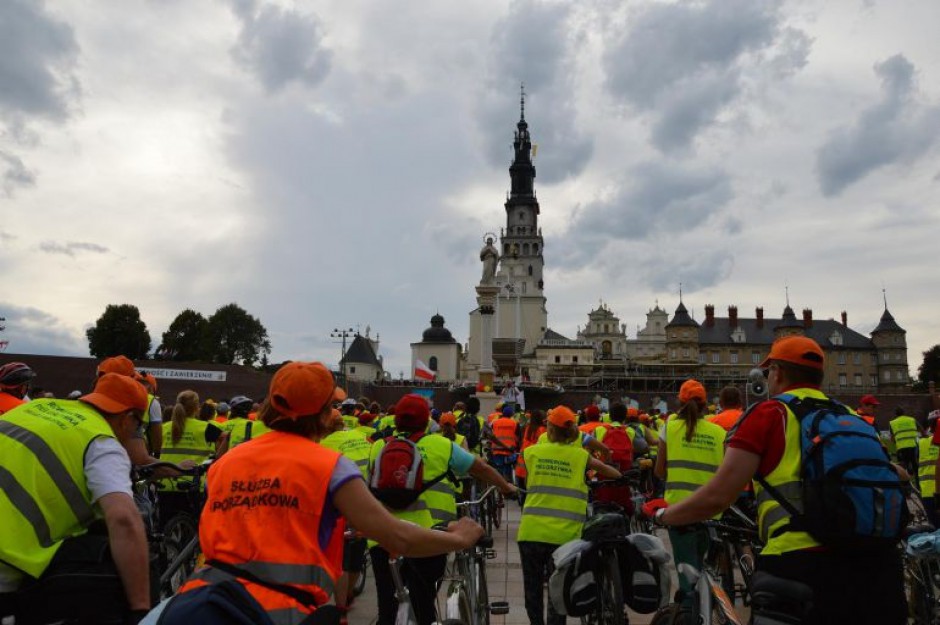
[{"x": 504, "y": 576}]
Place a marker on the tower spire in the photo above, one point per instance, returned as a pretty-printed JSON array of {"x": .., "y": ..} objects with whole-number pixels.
[
  {"x": 522, "y": 102},
  {"x": 884, "y": 294}
]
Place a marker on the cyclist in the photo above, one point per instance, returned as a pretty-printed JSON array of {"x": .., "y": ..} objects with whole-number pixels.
[
  {"x": 470, "y": 423},
  {"x": 348, "y": 410},
  {"x": 221, "y": 413},
  {"x": 928, "y": 454},
  {"x": 904, "y": 431},
  {"x": 65, "y": 468},
  {"x": 448, "y": 425},
  {"x": 270, "y": 518},
  {"x": 530, "y": 436},
  {"x": 366, "y": 423},
  {"x": 593, "y": 424},
  {"x": 867, "y": 408},
  {"x": 435, "y": 505},
  {"x": 14, "y": 385},
  {"x": 504, "y": 432},
  {"x": 355, "y": 445},
  {"x": 731, "y": 408},
  {"x": 690, "y": 452},
  {"x": 848, "y": 588},
  {"x": 187, "y": 438},
  {"x": 240, "y": 427},
  {"x": 555, "y": 506}
]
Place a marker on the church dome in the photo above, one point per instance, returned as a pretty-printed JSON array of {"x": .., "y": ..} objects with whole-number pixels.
[{"x": 437, "y": 333}]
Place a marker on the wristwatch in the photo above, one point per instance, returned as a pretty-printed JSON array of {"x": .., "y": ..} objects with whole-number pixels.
[{"x": 658, "y": 517}]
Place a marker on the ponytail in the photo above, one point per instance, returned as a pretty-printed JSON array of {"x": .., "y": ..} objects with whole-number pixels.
[
  {"x": 690, "y": 412},
  {"x": 187, "y": 406}
]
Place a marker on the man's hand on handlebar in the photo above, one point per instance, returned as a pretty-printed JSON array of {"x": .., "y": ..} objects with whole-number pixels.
[{"x": 468, "y": 530}]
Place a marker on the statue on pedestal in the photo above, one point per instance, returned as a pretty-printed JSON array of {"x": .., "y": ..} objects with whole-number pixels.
[{"x": 490, "y": 257}]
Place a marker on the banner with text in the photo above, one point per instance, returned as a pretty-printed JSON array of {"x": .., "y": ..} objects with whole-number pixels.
[{"x": 185, "y": 374}]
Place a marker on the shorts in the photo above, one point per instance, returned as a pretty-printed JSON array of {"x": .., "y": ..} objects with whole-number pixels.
[{"x": 354, "y": 555}]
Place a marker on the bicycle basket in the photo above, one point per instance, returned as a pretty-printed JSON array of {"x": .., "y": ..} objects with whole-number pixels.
[
  {"x": 572, "y": 587},
  {"x": 609, "y": 526}
]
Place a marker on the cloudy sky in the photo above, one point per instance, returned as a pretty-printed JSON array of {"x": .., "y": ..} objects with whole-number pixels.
[{"x": 336, "y": 163}]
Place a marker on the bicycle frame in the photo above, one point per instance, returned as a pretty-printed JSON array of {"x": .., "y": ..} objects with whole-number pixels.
[
  {"x": 406, "y": 613},
  {"x": 710, "y": 595}
]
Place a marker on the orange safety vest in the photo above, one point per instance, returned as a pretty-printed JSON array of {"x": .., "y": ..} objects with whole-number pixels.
[
  {"x": 9, "y": 402},
  {"x": 266, "y": 500},
  {"x": 590, "y": 426},
  {"x": 521, "y": 472},
  {"x": 504, "y": 429}
]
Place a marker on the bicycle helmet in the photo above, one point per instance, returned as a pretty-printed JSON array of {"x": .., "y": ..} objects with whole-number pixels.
[
  {"x": 15, "y": 374},
  {"x": 604, "y": 527},
  {"x": 240, "y": 405}
]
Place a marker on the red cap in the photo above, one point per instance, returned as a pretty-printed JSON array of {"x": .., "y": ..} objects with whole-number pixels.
[
  {"x": 300, "y": 389},
  {"x": 562, "y": 416},
  {"x": 365, "y": 417},
  {"x": 115, "y": 393},
  {"x": 869, "y": 400},
  {"x": 798, "y": 350},
  {"x": 592, "y": 412},
  {"x": 691, "y": 389},
  {"x": 121, "y": 365},
  {"x": 412, "y": 412},
  {"x": 633, "y": 412}
]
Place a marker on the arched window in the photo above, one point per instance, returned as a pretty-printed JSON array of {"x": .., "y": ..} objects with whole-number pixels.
[
  {"x": 432, "y": 363},
  {"x": 535, "y": 248},
  {"x": 606, "y": 348},
  {"x": 525, "y": 249},
  {"x": 530, "y": 270},
  {"x": 505, "y": 248}
]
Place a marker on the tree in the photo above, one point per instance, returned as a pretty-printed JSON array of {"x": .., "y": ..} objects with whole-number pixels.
[
  {"x": 930, "y": 369},
  {"x": 119, "y": 330},
  {"x": 185, "y": 339},
  {"x": 235, "y": 336}
]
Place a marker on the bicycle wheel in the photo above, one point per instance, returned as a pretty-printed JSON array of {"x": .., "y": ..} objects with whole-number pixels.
[
  {"x": 486, "y": 516},
  {"x": 610, "y": 594},
  {"x": 482, "y": 603},
  {"x": 921, "y": 600},
  {"x": 178, "y": 533},
  {"x": 363, "y": 575},
  {"x": 497, "y": 509}
]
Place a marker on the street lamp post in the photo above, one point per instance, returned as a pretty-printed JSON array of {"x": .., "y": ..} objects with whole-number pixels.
[{"x": 343, "y": 334}]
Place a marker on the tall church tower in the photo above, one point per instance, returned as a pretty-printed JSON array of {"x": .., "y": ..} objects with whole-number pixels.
[{"x": 521, "y": 312}]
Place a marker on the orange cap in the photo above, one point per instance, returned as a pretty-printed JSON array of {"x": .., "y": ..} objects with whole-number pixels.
[
  {"x": 152, "y": 381},
  {"x": 691, "y": 389},
  {"x": 339, "y": 394},
  {"x": 115, "y": 393},
  {"x": 562, "y": 416},
  {"x": 632, "y": 412},
  {"x": 121, "y": 365},
  {"x": 796, "y": 349},
  {"x": 448, "y": 418},
  {"x": 301, "y": 389}
]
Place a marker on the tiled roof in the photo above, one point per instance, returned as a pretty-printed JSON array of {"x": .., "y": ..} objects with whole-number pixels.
[
  {"x": 682, "y": 318},
  {"x": 361, "y": 352},
  {"x": 819, "y": 331},
  {"x": 888, "y": 324}
]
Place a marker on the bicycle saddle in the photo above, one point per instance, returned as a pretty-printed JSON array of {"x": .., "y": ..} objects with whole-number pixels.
[
  {"x": 765, "y": 585},
  {"x": 910, "y": 530}
]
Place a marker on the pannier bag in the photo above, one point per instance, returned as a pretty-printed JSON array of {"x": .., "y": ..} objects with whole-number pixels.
[
  {"x": 572, "y": 588},
  {"x": 604, "y": 527},
  {"x": 644, "y": 570}
]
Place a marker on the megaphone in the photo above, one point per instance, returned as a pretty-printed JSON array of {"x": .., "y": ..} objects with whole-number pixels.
[{"x": 756, "y": 384}]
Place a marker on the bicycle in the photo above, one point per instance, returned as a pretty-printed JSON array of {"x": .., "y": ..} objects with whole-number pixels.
[
  {"x": 713, "y": 605},
  {"x": 467, "y": 592},
  {"x": 921, "y": 566},
  {"x": 174, "y": 545}
]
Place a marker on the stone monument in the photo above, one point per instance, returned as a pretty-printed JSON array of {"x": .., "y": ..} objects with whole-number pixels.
[{"x": 486, "y": 300}]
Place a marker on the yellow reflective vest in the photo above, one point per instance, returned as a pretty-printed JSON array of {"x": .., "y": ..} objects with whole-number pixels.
[
  {"x": 556, "y": 499},
  {"x": 241, "y": 430},
  {"x": 904, "y": 429},
  {"x": 352, "y": 444},
  {"x": 192, "y": 445},
  {"x": 772, "y": 518},
  {"x": 926, "y": 467},
  {"x": 45, "y": 497},
  {"x": 691, "y": 463},
  {"x": 438, "y": 503}
]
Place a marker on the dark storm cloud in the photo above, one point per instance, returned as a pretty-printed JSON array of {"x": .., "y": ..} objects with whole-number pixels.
[
  {"x": 14, "y": 174},
  {"x": 534, "y": 44},
  {"x": 280, "y": 46},
  {"x": 657, "y": 197},
  {"x": 683, "y": 63},
  {"x": 696, "y": 267},
  {"x": 37, "y": 53},
  {"x": 71, "y": 248},
  {"x": 899, "y": 128},
  {"x": 33, "y": 331}
]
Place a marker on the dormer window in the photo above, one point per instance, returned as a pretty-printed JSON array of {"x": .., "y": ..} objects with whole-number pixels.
[
  {"x": 738, "y": 336},
  {"x": 835, "y": 338}
]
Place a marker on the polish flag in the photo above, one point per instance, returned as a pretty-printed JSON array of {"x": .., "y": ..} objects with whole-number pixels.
[{"x": 423, "y": 371}]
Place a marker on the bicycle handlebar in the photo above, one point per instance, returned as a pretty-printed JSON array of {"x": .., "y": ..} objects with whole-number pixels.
[
  {"x": 146, "y": 471},
  {"x": 477, "y": 502},
  {"x": 625, "y": 478}
]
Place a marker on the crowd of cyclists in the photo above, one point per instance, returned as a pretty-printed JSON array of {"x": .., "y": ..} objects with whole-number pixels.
[{"x": 306, "y": 483}]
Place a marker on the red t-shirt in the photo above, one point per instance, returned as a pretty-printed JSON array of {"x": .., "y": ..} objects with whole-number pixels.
[
  {"x": 936, "y": 437},
  {"x": 763, "y": 432}
]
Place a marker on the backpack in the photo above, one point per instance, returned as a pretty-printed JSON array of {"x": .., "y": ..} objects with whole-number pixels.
[
  {"x": 469, "y": 427},
  {"x": 621, "y": 447},
  {"x": 640, "y": 445},
  {"x": 397, "y": 475},
  {"x": 852, "y": 497},
  {"x": 223, "y": 603},
  {"x": 572, "y": 587}
]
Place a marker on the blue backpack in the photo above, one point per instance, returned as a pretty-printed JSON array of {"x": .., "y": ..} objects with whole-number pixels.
[{"x": 853, "y": 499}]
